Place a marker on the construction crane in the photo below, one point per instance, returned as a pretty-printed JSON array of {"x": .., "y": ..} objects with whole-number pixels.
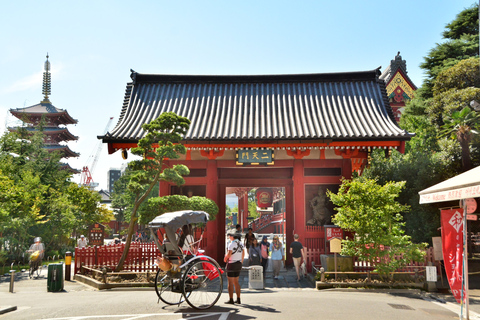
[{"x": 86, "y": 178}]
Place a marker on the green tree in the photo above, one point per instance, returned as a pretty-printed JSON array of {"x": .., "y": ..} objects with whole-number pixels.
[
  {"x": 460, "y": 126},
  {"x": 160, "y": 205},
  {"x": 161, "y": 141},
  {"x": 461, "y": 43},
  {"x": 371, "y": 211}
]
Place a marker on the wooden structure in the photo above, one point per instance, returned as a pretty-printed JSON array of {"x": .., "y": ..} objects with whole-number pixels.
[
  {"x": 317, "y": 128},
  {"x": 55, "y": 121},
  {"x": 400, "y": 87}
]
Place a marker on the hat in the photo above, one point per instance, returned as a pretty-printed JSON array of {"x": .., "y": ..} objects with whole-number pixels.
[
  {"x": 265, "y": 238},
  {"x": 82, "y": 236},
  {"x": 235, "y": 235}
]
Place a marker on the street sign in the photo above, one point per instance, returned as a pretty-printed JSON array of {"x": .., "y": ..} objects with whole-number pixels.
[
  {"x": 334, "y": 232},
  {"x": 472, "y": 217},
  {"x": 471, "y": 205}
]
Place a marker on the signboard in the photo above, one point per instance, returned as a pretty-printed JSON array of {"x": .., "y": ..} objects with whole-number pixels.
[
  {"x": 471, "y": 205},
  {"x": 254, "y": 157},
  {"x": 461, "y": 193},
  {"x": 472, "y": 217},
  {"x": 431, "y": 272},
  {"x": 452, "y": 245},
  {"x": 335, "y": 232},
  {"x": 335, "y": 245},
  {"x": 96, "y": 234},
  {"x": 437, "y": 248}
]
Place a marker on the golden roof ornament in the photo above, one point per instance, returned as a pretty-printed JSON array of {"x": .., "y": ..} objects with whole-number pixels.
[{"x": 46, "y": 87}]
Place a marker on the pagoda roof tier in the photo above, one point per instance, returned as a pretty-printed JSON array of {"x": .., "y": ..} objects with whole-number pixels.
[
  {"x": 56, "y": 133},
  {"x": 34, "y": 113},
  {"x": 350, "y": 106},
  {"x": 66, "y": 166},
  {"x": 67, "y": 153}
]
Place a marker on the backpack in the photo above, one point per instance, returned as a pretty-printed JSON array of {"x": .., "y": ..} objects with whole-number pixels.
[{"x": 264, "y": 251}]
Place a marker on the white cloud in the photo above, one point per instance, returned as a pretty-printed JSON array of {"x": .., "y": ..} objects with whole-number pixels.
[
  {"x": 33, "y": 81},
  {"x": 26, "y": 83}
]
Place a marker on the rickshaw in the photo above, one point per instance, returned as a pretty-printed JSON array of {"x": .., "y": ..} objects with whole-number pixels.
[{"x": 184, "y": 275}]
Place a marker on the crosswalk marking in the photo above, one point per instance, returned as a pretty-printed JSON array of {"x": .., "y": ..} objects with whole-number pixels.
[{"x": 191, "y": 316}]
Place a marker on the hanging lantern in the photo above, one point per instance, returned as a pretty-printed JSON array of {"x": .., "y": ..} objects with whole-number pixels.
[{"x": 264, "y": 197}]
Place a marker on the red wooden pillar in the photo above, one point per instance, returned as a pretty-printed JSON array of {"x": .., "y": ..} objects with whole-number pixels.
[
  {"x": 213, "y": 240},
  {"x": 245, "y": 211},
  {"x": 299, "y": 203},
  {"x": 289, "y": 217},
  {"x": 347, "y": 168}
]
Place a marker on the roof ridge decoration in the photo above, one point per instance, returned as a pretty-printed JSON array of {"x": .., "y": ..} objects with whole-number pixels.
[{"x": 47, "y": 82}]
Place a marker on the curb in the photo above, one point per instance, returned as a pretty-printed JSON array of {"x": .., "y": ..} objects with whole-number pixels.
[
  {"x": 4, "y": 310},
  {"x": 329, "y": 285},
  {"x": 102, "y": 286}
]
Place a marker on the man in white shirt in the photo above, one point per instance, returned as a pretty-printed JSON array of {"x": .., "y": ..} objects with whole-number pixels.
[
  {"x": 82, "y": 242},
  {"x": 234, "y": 259}
]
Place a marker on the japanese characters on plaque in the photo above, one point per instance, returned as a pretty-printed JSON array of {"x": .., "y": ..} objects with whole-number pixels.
[
  {"x": 255, "y": 157},
  {"x": 96, "y": 234}
]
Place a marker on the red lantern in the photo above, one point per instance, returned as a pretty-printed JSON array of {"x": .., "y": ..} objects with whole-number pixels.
[{"x": 264, "y": 197}]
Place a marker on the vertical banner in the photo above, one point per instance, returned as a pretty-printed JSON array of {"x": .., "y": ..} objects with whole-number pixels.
[{"x": 452, "y": 245}]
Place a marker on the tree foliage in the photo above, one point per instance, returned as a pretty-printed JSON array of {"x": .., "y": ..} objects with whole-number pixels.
[
  {"x": 37, "y": 197},
  {"x": 461, "y": 43},
  {"x": 160, "y": 205},
  {"x": 161, "y": 141},
  {"x": 371, "y": 211}
]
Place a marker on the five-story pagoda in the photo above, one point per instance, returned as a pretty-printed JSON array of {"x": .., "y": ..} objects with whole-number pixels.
[{"x": 54, "y": 119}]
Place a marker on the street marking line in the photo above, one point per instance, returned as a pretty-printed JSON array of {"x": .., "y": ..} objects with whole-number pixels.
[
  {"x": 456, "y": 309},
  {"x": 222, "y": 316}
]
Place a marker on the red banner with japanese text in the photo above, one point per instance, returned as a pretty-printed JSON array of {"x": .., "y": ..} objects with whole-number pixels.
[{"x": 452, "y": 247}]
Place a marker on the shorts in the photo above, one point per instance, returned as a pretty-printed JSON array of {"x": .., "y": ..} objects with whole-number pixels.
[
  {"x": 233, "y": 269},
  {"x": 296, "y": 261}
]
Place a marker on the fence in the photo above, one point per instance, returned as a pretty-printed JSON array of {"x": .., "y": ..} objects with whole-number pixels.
[
  {"x": 313, "y": 255},
  {"x": 140, "y": 258}
]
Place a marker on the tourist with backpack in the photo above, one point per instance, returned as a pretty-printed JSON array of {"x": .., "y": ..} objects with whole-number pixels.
[{"x": 264, "y": 251}]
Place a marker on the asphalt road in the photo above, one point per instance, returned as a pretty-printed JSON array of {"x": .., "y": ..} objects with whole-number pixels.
[{"x": 81, "y": 302}]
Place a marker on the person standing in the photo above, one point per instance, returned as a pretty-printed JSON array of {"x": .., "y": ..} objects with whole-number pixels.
[
  {"x": 298, "y": 252},
  {"x": 254, "y": 254},
  {"x": 264, "y": 250},
  {"x": 277, "y": 256},
  {"x": 249, "y": 238},
  {"x": 82, "y": 242},
  {"x": 234, "y": 259}
]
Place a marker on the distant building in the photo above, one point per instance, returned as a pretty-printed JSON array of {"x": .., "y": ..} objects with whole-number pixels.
[
  {"x": 399, "y": 86},
  {"x": 55, "y": 121},
  {"x": 113, "y": 175}
]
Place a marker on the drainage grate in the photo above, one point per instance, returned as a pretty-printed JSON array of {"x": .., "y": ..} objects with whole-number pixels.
[{"x": 400, "y": 306}]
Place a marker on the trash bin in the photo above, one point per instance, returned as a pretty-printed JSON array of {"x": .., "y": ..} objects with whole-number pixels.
[
  {"x": 255, "y": 278},
  {"x": 55, "y": 277}
]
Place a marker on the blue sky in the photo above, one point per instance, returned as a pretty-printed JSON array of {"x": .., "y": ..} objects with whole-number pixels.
[{"x": 94, "y": 44}]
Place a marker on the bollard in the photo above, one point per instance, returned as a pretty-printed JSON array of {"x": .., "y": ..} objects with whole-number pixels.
[
  {"x": 68, "y": 265},
  {"x": 322, "y": 274},
  {"x": 12, "y": 280}
]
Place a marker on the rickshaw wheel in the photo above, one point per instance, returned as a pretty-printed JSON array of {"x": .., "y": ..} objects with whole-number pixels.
[
  {"x": 163, "y": 287},
  {"x": 202, "y": 284}
]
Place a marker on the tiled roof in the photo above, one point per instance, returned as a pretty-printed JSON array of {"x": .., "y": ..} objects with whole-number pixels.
[
  {"x": 336, "y": 106},
  {"x": 46, "y": 109},
  {"x": 396, "y": 64}
]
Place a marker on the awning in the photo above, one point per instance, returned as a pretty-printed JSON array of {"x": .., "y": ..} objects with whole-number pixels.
[{"x": 463, "y": 186}]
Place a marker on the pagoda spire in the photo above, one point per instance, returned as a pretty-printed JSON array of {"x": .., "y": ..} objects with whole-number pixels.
[{"x": 46, "y": 87}]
